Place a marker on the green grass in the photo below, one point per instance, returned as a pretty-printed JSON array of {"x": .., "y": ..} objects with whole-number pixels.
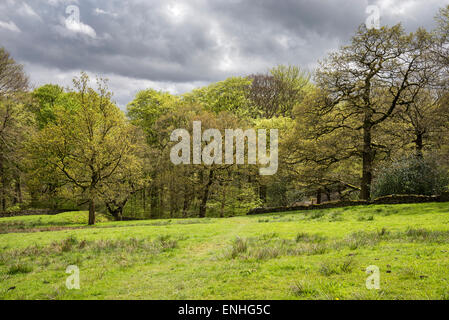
[
  {"x": 320, "y": 254},
  {"x": 34, "y": 223}
]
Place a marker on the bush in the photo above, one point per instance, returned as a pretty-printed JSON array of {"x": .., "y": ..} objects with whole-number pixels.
[
  {"x": 413, "y": 175},
  {"x": 14, "y": 209}
]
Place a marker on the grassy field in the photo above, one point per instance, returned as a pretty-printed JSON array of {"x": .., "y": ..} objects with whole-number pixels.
[{"x": 320, "y": 254}]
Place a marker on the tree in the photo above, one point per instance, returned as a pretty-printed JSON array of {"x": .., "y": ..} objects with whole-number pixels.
[
  {"x": 275, "y": 94},
  {"x": 15, "y": 126},
  {"x": 47, "y": 190},
  {"x": 274, "y": 190},
  {"x": 368, "y": 80},
  {"x": 146, "y": 111},
  {"x": 127, "y": 180},
  {"x": 89, "y": 146},
  {"x": 147, "y": 107},
  {"x": 441, "y": 48},
  {"x": 229, "y": 95},
  {"x": 321, "y": 162},
  {"x": 422, "y": 124},
  {"x": 12, "y": 77},
  {"x": 47, "y": 98},
  {"x": 202, "y": 177},
  {"x": 14, "y": 120}
]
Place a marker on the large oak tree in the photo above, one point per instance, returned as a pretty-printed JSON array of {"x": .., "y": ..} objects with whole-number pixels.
[
  {"x": 367, "y": 81},
  {"x": 89, "y": 146}
]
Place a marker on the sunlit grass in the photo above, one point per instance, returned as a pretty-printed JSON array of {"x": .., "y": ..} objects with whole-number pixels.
[{"x": 296, "y": 255}]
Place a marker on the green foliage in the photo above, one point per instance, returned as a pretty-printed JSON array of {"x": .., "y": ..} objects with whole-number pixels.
[
  {"x": 16, "y": 125},
  {"x": 149, "y": 106},
  {"x": 412, "y": 175},
  {"x": 13, "y": 209},
  {"x": 238, "y": 200},
  {"x": 47, "y": 98},
  {"x": 50, "y": 98},
  {"x": 229, "y": 95},
  {"x": 88, "y": 149},
  {"x": 367, "y": 98}
]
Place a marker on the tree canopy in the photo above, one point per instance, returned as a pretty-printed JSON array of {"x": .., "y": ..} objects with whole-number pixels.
[{"x": 372, "y": 119}]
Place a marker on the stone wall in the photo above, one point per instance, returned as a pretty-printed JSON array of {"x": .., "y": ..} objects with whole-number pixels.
[{"x": 393, "y": 199}]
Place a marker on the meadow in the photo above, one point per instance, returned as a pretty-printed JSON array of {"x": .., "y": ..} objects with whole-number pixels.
[{"x": 320, "y": 254}]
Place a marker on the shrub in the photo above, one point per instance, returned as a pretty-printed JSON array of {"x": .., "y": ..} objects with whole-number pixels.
[
  {"x": 413, "y": 175},
  {"x": 14, "y": 209}
]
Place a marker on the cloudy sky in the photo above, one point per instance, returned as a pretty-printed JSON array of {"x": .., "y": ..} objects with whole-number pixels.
[{"x": 182, "y": 44}]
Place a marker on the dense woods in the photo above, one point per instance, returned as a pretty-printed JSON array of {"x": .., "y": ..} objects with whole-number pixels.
[{"x": 371, "y": 120}]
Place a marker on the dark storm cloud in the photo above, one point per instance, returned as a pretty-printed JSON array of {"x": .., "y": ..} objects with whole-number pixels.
[{"x": 177, "y": 45}]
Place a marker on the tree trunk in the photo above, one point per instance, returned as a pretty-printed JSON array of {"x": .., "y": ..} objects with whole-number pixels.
[
  {"x": 144, "y": 202},
  {"x": 19, "y": 190},
  {"x": 118, "y": 214},
  {"x": 328, "y": 194},
  {"x": 91, "y": 211},
  {"x": 340, "y": 194},
  {"x": 154, "y": 201},
  {"x": 223, "y": 202},
  {"x": 116, "y": 210},
  {"x": 419, "y": 144},
  {"x": 186, "y": 203},
  {"x": 367, "y": 175},
  {"x": 162, "y": 196},
  {"x": 34, "y": 198},
  {"x": 318, "y": 196},
  {"x": 173, "y": 205},
  {"x": 206, "y": 195},
  {"x": 263, "y": 193},
  {"x": 2, "y": 186}
]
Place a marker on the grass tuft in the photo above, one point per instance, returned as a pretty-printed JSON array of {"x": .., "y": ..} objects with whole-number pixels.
[
  {"x": 302, "y": 288},
  {"x": 19, "y": 268}
]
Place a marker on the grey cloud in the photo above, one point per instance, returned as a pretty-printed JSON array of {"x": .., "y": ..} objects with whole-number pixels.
[{"x": 177, "y": 45}]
